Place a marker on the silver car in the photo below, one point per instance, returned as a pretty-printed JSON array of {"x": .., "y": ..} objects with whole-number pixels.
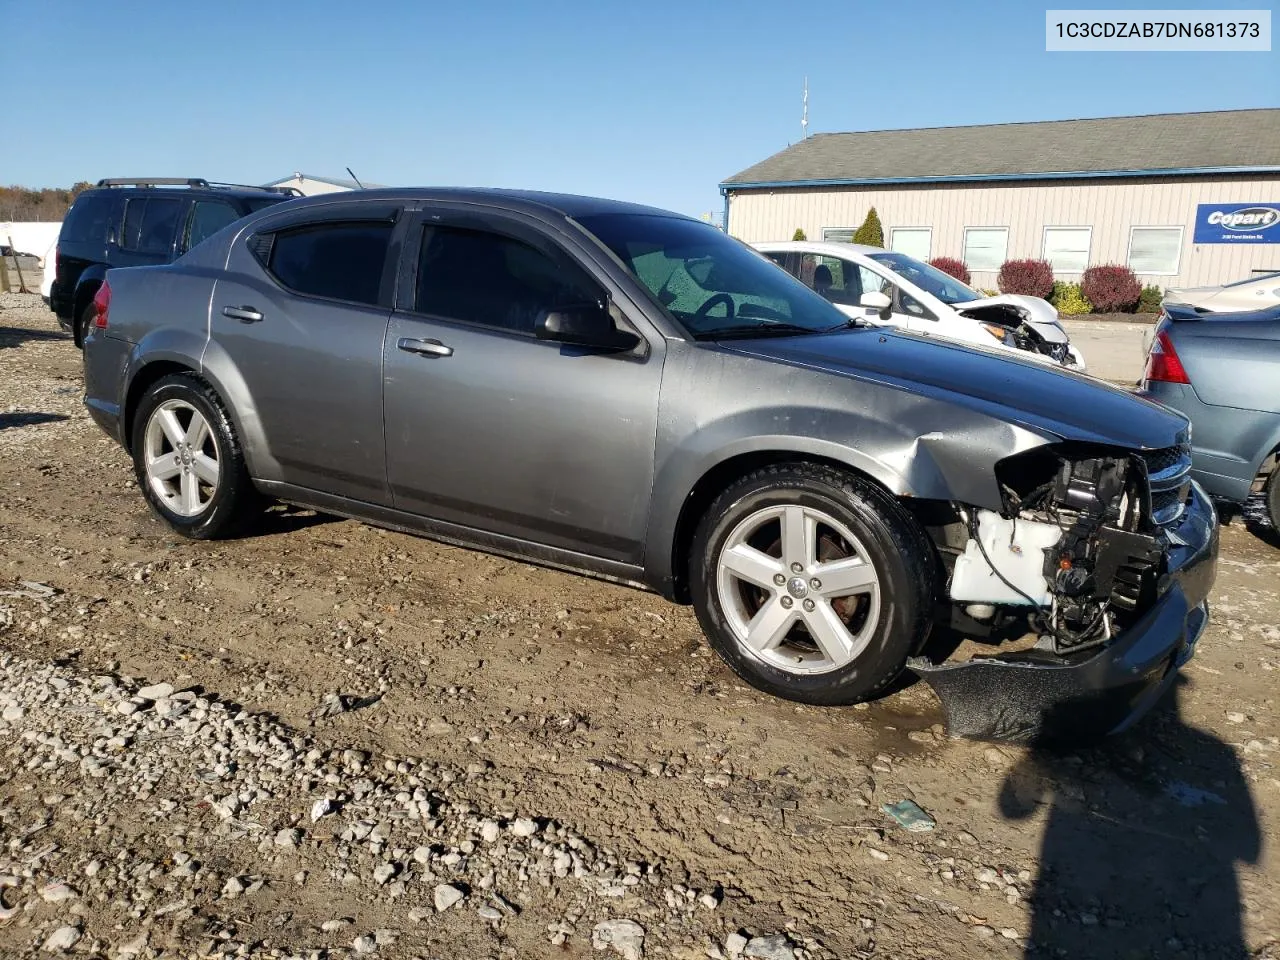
[{"x": 631, "y": 394}]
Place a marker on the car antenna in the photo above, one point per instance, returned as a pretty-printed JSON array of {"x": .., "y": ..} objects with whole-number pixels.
[{"x": 356, "y": 179}]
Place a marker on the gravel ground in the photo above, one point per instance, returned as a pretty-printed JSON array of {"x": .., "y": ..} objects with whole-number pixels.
[{"x": 327, "y": 740}]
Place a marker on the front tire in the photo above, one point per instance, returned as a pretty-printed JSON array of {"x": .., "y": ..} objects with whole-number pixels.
[
  {"x": 813, "y": 584},
  {"x": 188, "y": 460}
]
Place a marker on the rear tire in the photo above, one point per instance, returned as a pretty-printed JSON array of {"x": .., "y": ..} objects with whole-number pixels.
[
  {"x": 1273, "y": 499},
  {"x": 856, "y": 592},
  {"x": 83, "y": 322},
  {"x": 188, "y": 460}
]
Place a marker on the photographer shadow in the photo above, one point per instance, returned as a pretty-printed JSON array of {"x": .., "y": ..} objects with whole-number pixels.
[{"x": 1139, "y": 854}]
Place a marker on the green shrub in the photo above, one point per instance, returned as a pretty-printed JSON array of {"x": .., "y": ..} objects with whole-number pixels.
[
  {"x": 799, "y": 235},
  {"x": 988, "y": 292},
  {"x": 870, "y": 233},
  {"x": 1150, "y": 299},
  {"x": 1068, "y": 299}
]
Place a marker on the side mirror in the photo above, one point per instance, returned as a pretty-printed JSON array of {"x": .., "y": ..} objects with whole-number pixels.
[
  {"x": 879, "y": 302},
  {"x": 585, "y": 325}
]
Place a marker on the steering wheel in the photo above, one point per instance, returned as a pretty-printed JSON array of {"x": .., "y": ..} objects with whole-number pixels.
[{"x": 724, "y": 298}]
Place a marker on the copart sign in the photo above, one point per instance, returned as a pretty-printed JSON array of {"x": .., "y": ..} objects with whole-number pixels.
[{"x": 1238, "y": 223}]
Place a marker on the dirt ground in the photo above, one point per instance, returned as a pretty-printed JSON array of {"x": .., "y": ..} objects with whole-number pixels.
[{"x": 590, "y": 708}]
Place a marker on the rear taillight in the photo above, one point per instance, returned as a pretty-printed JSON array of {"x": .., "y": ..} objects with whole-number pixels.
[
  {"x": 101, "y": 303},
  {"x": 1163, "y": 365}
]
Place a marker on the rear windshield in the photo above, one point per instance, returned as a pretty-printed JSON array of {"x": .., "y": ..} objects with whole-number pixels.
[{"x": 88, "y": 219}]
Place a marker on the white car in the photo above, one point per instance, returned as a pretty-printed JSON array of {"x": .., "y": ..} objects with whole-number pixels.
[
  {"x": 1255, "y": 293},
  {"x": 48, "y": 266},
  {"x": 892, "y": 289}
]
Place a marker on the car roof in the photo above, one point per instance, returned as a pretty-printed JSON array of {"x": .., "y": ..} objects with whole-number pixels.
[
  {"x": 832, "y": 248},
  {"x": 531, "y": 201}
]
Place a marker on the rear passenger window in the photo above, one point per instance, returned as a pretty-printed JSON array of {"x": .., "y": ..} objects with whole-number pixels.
[
  {"x": 496, "y": 281},
  {"x": 150, "y": 223},
  {"x": 341, "y": 261},
  {"x": 87, "y": 220}
]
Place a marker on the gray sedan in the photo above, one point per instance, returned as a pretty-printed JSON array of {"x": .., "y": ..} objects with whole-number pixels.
[
  {"x": 1223, "y": 371},
  {"x": 631, "y": 394}
]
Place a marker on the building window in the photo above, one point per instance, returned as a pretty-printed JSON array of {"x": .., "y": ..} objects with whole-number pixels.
[
  {"x": 985, "y": 248},
  {"x": 1067, "y": 248},
  {"x": 839, "y": 234},
  {"x": 913, "y": 241},
  {"x": 1155, "y": 250}
]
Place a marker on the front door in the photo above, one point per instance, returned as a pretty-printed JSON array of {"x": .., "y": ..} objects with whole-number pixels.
[
  {"x": 301, "y": 312},
  {"x": 493, "y": 429}
]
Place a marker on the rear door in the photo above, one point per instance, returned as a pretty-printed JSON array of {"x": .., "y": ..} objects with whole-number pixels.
[
  {"x": 300, "y": 313},
  {"x": 493, "y": 429}
]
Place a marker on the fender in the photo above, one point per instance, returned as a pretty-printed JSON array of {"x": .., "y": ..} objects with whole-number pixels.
[
  {"x": 223, "y": 375},
  {"x": 86, "y": 286},
  {"x": 933, "y": 459}
]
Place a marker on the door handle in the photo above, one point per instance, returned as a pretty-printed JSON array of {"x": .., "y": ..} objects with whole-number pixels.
[
  {"x": 424, "y": 348},
  {"x": 243, "y": 314}
]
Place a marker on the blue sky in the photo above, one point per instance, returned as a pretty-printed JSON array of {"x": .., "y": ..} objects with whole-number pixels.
[{"x": 655, "y": 102}]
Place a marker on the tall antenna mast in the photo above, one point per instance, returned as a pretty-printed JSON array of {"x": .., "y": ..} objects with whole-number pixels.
[{"x": 804, "y": 117}]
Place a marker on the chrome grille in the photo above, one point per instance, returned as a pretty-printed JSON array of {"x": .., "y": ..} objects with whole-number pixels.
[{"x": 1169, "y": 482}]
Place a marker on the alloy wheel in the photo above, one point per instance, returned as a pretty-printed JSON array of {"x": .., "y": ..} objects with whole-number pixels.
[
  {"x": 181, "y": 458},
  {"x": 798, "y": 589}
]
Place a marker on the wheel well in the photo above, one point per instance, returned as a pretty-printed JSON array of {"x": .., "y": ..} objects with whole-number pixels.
[
  {"x": 84, "y": 295},
  {"x": 714, "y": 482},
  {"x": 141, "y": 382}
]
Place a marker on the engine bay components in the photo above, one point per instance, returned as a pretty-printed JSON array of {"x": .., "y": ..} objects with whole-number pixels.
[{"x": 1071, "y": 546}]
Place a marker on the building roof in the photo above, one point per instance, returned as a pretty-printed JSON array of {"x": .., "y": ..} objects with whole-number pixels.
[
  {"x": 346, "y": 184},
  {"x": 1168, "y": 143}
]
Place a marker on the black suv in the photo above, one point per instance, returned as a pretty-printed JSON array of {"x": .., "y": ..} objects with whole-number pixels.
[{"x": 136, "y": 222}]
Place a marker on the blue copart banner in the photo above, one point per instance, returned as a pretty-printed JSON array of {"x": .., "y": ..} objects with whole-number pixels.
[{"x": 1237, "y": 223}]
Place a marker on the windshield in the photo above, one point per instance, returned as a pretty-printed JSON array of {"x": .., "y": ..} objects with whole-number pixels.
[
  {"x": 714, "y": 286},
  {"x": 930, "y": 279}
]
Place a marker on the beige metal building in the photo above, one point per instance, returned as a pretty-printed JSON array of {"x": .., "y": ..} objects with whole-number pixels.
[
  {"x": 1184, "y": 199},
  {"x": 311, "y": 185}
]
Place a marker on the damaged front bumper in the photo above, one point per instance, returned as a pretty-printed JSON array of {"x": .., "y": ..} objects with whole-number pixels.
[{"x": 1035, "y": 695}]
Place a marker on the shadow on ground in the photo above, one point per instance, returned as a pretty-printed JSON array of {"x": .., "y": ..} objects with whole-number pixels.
[
  {"x": 1140, "y": 848},
  {"x": 17, "y": 336},
  {"x": 9, "y": 421}
]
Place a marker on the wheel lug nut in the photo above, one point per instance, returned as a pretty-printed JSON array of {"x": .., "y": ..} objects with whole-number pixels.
[
  {"x": 786, "y": 603},
  {"x": 815, "y": 583},
  {"x": 796, "y": 567},
  {"x": 779, "y": 579},
  {"x": 808, "y": 604}
]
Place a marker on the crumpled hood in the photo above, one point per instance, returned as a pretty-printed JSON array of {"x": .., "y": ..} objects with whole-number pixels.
[
  {"x": 1043, "y": 316},
  {"x": 1049, "y": 399}
]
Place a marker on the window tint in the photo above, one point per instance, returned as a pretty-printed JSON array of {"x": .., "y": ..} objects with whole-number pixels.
[
  {"x": 985, "y": 247},
  {"x": 207, "y": 218},
  {"x": 88, "y": 219},
  {"x": 913, "y": 241},
  {"x": 1067, "y": 248},
  {"x": 150, "y": 223},
  {"x": 1156, "y": 250},
  {"x": 343, "y": 261},
  {"x": 489, "y": 279}
]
